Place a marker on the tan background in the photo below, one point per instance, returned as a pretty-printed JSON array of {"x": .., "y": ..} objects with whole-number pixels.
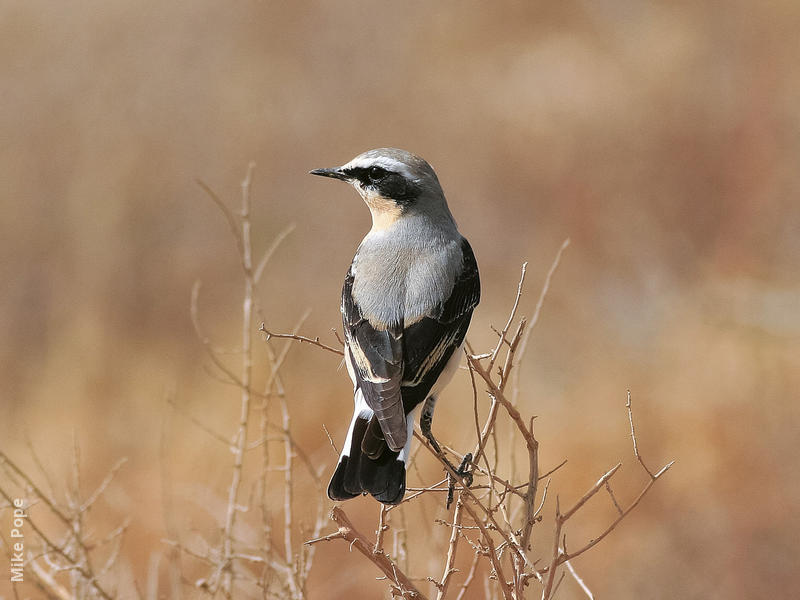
[{"x": 663, "y": 139}]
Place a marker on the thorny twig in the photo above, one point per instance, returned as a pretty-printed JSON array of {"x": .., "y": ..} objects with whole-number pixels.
[
  {"x": 560, "y": 555},
  {"x": 449, "y": 565},
  {"x": 358, "y": 541},
  {"x": 299, "y": 338}
]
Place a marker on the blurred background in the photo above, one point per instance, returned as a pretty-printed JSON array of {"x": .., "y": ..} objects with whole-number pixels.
[{"x": 662, "y": 138}]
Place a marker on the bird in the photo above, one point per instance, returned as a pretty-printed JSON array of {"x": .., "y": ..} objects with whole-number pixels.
[{"x": 407, "y": 302}]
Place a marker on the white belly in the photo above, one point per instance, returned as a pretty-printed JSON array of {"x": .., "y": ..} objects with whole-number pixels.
[{"x": 447, "y": 373}]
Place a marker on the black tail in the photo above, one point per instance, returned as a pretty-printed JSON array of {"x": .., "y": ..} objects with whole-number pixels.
[{"x": 384, "y": 476}]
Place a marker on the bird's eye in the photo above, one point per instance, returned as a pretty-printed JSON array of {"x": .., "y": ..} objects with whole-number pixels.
[{"x": 376, "y": 174}]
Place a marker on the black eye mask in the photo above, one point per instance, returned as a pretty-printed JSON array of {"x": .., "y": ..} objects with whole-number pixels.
[{"x": 388, "y": 184}]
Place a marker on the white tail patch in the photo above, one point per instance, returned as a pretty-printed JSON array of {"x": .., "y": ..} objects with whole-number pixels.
[
  {"x": 362, "y": 411},
  {"x": 406, "y": 451}
]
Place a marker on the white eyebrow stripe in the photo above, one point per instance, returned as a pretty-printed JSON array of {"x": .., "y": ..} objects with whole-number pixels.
[{"x": 390, "y": 164}]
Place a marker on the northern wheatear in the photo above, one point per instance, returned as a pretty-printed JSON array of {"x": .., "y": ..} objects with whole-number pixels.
[{"x": 406, "y": 305}]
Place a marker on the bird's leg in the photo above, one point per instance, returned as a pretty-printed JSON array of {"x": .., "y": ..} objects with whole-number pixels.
[{"x": 425, "y": 421}]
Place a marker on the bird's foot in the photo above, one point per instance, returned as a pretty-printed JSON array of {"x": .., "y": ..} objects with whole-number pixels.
[{"x": 463, "y": 472}]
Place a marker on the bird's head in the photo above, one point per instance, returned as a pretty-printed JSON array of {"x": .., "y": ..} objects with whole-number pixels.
[{"x": 392, "y": 182}]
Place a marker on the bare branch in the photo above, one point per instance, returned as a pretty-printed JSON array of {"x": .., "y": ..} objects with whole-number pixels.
[
  {"x": 288, "y": 492},
  {"x": 523, "y": 347},
  {"x": 547, "y": 591},
  {"x": 270, "y": 251},
  {"x": 198, "y": 423},
  {"x": 578, "y": 580},
  {"x": 240, "y": 441},
  {"x": 330, "y": 439},
  {"x": 336, "y": 335},
  {"x": 205, "y": 340},
  {"x": 229, "y": 216},
  {"x": 382, "y": 527},
  {"x": 357, "y": 540},
  {"x": 553, "y": 470},
  {"x": 591, "y": 492},
  {"x": 449, "y": 568},
  {"x": 616, "y": 521},
  {"x": 613, "y": 497},
  {"x": 633, "y": 436},
  {"x": 36, "y": 490},
  {"x": 470, "y": 577},
  {"x": 299, "y": 338},
  {"x": 546, "y": 287},
  {"x": 502, "y": 334},
  {"x": 47, "y": 582},
  {"x": 484, "y": 527},
  {"x": 103, "y": 485}
]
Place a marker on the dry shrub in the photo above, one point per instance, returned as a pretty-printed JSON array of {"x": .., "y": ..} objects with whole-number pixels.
[{"x": 260, "y": 548}]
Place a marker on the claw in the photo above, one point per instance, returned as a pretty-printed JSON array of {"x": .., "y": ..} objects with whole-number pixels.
[{"x": 463, "y": 472}]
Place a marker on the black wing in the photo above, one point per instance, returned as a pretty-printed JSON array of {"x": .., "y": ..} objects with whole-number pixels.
[
  {"x": 377, "y": 359},
  {"x": 429, "y": 343}
]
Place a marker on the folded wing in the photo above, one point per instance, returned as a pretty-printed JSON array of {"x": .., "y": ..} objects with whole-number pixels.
[
  {"x": 377, "y": 359},
  {"x": 428, "y": 344}
]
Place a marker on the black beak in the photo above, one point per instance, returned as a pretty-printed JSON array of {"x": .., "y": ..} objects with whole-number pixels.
[{"x": 336, "y": 173}]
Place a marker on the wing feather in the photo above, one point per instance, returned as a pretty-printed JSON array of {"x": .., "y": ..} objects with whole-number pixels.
[
  {"x": 429, "y": 343},
  {"x": 377, "y": 358}
]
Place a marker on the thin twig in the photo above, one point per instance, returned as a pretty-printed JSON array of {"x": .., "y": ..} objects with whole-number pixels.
[
  {"x": 288, "y": 492},
  {"x": 613, "y": 497},
  {"x": 229, "y": 216},
  {"x": 523, "y": 347},
  {"x": 36, "y": 490},
  {"x": 591, "y": 492},
  {"x": 299, "y": 338},
  {"x": 488, "y": 514},
  {"x": 259, "y": 270},
  {"x": 547, "y": 591},
  {"x": 103, "y": 485},
  {"x": 330, "y": 439},
  {"x": 502, "y": 334},
  {"x": 193, "y": 311},
  {"x": 553, "y": 470},
  {"x": 452, "y": 546},
  {"x": 578, "y": 580},
  {"x": 240, "y": 441},
  {"x": 382, "y": 527},
  {"x": 545, "y": 288},
  {"x": 197, "y": 422},
  {"x": 633, "y": 436},
  {"x": 616, "y": 521},
  {"x": 357, "y": 540},
  {"x": 470, "y": 577},
  {"x": 48, "y": 582}
]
